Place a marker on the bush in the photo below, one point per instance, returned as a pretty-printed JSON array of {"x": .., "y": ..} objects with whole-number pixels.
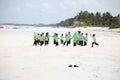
[{"x": 115, "y": 26}]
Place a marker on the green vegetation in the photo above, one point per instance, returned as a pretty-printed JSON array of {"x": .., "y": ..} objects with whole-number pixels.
[
  {"x": 115, "y": 26},
  {"x": 93, "y": 19}
]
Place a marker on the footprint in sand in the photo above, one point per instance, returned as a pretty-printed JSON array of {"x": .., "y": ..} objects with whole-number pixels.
[{"x": 73, "y": 66}]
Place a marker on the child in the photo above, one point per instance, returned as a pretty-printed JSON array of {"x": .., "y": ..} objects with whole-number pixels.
[
  {"x": 54, "y": 36},
  {"x": 38, "y": 39},
  {"x": 56, "y": 40},
  {"x": 79, "y": 38},
  {"x": 82, "y": 39},
  {"x": 75, "y": 39},
  {"x": 42, "y": 39},
  {"x": 61, "y": 39},
  {"x": 94, "y": 41},
  {"x": 85, "y": 39},
  {"x": 35, "y": 39},
  {"x": 69, "y": 38},
  {"x": 66, "y": 40},
  {"x": 47, "y": 39}
]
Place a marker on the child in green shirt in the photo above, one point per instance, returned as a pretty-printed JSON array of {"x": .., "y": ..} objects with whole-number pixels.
[
  {"x": 54, "y": 36},
  {"x": 56, "y": 40},
  {"x": 68, "y": 38},
  {"x": 85, "y": 39},
  {"x": 94, "y": 41},
  {"x": 81, "y": 39},
  {"x": 75, "y": 39},
  {"x": 35, "y": 39}
]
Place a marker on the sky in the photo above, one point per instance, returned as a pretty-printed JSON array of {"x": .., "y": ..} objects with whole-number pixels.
[{"x": 51, "y": 11}]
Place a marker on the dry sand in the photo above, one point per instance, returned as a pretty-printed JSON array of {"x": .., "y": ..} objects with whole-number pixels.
[{"x": 20, "y": 60}]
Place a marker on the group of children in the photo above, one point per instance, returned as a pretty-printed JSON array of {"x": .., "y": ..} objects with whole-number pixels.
[{"x": 78, "y": 39}]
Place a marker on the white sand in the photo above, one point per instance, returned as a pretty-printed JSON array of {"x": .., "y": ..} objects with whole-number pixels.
[{"x": 20, "y": 60}]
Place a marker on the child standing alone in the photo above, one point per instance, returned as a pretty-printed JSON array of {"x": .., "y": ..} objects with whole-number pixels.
[{"x": 94, "y": 41}]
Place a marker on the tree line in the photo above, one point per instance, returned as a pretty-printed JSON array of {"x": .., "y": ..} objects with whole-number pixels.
[{"x": 93, "y": 19}]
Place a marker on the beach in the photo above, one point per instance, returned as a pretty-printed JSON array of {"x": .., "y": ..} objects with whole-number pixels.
[{"x": 20, "y": 60}]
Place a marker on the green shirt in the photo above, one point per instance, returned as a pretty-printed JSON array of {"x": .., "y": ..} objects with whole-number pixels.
[
  {"x": 78, "y": 35},
  {"x": 94, "y": 39},
  {"x": 42, "y": 38},
  {"x": 82, "y": 37},
  {"x": 54, "y": 36},
  {"x": 66, "y": 37},
  {"x": 85, "y": 38},
  {"x": 35, "y": 36},
  {"x": 57, "y": 38},
  {"x": 69, "y": 36},
  {"x": 61, "y": 37},
  {"x": 75, "y": 37}
]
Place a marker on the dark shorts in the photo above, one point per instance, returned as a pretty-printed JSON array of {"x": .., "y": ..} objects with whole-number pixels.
[
  {"x": 62, "y": 42},
  {"x": 41, "y": 43},
  {"x": 57, "y": 44},
  {"x": 74, "y": 44},
  {"x": 54, "y": 42},
  {"x": 46, "y": 42},
  {"x": 69, "y": 41}
]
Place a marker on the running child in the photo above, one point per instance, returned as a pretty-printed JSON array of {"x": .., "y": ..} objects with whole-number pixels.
[{"x": 94, "y": 41}]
